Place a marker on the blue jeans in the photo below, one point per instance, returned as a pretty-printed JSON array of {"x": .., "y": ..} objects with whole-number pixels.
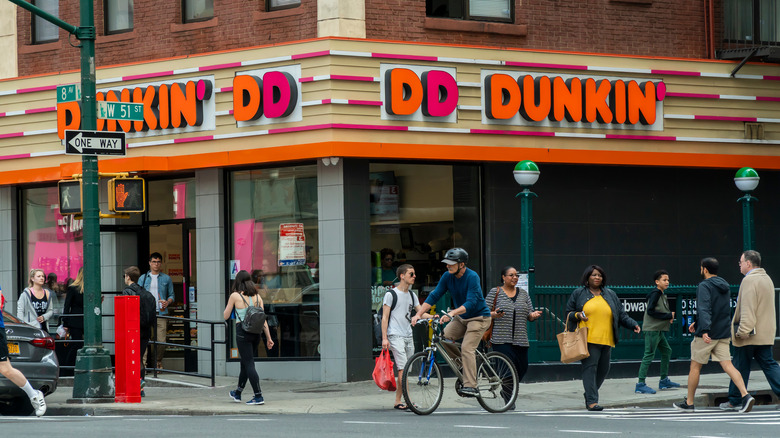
[{"x": 742, "y": 360}]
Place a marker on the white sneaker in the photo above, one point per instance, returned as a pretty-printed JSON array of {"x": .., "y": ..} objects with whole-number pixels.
[{"x": 38, "y": 403}]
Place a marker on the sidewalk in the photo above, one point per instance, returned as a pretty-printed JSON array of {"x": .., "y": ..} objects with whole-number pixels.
[{"x": 181, "y": 395}]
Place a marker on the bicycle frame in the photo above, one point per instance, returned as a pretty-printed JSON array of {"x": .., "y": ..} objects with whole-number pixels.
[{"x": 436, "y": 346}]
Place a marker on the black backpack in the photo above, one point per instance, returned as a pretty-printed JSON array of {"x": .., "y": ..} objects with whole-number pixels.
[
  {"x": 148, "y": 308},
  {"x": 377, "y": 317},
  {"x": 254, "y": 319}
]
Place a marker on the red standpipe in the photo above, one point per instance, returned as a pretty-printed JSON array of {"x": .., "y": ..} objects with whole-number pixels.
[{"x": 127, "y": 337}]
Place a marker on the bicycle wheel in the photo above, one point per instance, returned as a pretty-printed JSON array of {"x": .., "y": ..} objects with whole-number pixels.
[
  {"x": 497, "y": 383},
  {"x": 423, "y": 384}
]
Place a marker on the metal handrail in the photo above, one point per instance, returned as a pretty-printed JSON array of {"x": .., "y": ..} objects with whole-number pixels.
[{"x": 155, "y": 370}]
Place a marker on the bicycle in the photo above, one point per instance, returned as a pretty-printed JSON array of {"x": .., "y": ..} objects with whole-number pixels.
[{"x": 423, "y": 383}]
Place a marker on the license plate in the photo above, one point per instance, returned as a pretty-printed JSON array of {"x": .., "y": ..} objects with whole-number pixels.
[{"x": 13, "y": 348}]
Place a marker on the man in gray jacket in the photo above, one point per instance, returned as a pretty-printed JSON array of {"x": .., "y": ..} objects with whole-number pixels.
[
  {"x": 712, "y": 335},
  {"x": 753, "y": 327}
]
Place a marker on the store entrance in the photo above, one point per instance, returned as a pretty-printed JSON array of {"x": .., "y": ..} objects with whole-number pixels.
[{"x": 175, "y": 241}]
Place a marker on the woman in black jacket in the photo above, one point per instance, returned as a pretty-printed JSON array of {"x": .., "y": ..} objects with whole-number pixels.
[
  {"x": 74, "y": 324},
  {"x": 598, "y": 308}
]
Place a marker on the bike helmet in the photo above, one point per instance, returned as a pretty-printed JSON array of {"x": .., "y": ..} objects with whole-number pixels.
[{"x": 456, "y": 255}]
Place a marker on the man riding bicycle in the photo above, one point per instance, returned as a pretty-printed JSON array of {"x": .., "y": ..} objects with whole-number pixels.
[{"x": 470, "y": 318}]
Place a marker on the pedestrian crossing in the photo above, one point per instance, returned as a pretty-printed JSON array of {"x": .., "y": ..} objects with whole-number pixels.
[{"x": 759, "y": 416}]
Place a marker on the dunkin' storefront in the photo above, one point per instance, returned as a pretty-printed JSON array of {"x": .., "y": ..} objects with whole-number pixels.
[{"x": 320, "y": 166}]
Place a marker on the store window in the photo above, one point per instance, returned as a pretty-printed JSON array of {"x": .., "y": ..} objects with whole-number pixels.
[
  {"x": 274, "y": 227},
  {"x": 170, "y": 199},
  {"x": 44, "y": 31},
  {"x": 752, "y": 21},
  {"x": 275, "y": 5},
  {"x": 418, "y": 212},
  {"x": 119, "y": 16},
  {"x": 482, "y": 10},
  {"x": 197, "y": 10},
  {"x": 50, "y": 241}
]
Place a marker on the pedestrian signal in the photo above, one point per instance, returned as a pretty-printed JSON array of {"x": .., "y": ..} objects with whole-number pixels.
[
  {"x": 127, "y": 195},
  {"x": 70, "y": 196}
]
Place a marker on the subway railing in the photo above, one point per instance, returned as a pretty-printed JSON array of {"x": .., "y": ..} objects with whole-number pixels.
[{"x": 552, "y": 301}]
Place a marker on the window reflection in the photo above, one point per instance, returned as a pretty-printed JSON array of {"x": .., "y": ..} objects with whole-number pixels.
[
  {"x": 275, "y": 237},
  {"x": 418, "y": 212}
]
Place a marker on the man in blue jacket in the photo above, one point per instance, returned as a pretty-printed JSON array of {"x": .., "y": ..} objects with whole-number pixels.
[
  {"x": 470, "y": 317},
  {"x": 161, "y": 286}
]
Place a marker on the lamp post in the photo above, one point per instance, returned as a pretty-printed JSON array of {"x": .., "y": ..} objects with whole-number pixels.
[
  {"x": 746, "y": 180},
  {"x": 526, "y": 174}
]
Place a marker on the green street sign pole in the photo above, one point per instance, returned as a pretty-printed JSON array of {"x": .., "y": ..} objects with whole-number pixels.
[{"x": 92, "y": 378}]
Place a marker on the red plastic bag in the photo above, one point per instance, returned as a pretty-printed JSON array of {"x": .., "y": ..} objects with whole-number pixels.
[{"x": 383, "y": 371}]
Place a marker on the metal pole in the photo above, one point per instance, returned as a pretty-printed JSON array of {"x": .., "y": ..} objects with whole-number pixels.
[
  {"x": 527, "y": 249},
  {"x": 527, "y": 236},
  {"x": 748, "y": 224},
  {"x": 92, "y": 377}
]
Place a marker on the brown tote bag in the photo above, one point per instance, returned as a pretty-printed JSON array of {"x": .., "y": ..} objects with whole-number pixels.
[
  {"x": 489, "y": 332},
  {"x": 573, "y": 345}
]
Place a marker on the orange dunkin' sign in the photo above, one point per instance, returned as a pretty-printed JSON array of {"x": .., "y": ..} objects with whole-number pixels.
[
  {"x": 419, "y": 93},
  {"x": 531, "y": 98},
  {"x": 167, "y": 105}
]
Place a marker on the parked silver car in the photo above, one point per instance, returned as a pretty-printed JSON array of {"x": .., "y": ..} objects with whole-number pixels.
[{"x": 32, "y": 352}]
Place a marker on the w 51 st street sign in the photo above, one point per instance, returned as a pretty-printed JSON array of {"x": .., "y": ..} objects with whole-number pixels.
[{"x": 95, "y": 143}]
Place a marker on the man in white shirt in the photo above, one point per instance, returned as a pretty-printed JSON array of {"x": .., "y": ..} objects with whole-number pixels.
[{"x": 399, "y": 305}]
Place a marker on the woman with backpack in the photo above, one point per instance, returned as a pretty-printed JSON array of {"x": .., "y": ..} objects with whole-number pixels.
[{"x": 243, "y": 296}]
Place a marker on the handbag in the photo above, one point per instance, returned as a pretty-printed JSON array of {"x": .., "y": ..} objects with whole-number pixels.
[
  {"x": 489, "y": 332},
  {"x": 383, "y": 371},
  {"x": 573, "y": 345}
]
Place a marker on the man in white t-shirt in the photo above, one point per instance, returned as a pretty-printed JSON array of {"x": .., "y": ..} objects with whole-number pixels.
[{"x": 397, "y": 324}]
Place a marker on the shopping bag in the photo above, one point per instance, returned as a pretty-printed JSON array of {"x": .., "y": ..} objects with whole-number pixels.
[
  {"x": 573, "y": 345},
  {"x": 383, "y": 371}
]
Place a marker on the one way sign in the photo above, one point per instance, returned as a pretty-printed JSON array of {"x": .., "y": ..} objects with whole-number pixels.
[{"x": 95, "y": 143}]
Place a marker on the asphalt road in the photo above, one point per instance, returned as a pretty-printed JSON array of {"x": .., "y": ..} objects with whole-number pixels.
[{"x": 705, "y": 423}]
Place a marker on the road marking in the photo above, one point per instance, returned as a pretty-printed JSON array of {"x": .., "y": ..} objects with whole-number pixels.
[
  {"x": 756, "y": 422},
  {"x": 370, "y": 422},
  {"x": 479, "y": 427},
  {"x": 589, "y": 431},
  {"x": 249, "y": 419}
]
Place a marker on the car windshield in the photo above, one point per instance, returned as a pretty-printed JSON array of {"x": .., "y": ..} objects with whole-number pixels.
[{"x": 7, "y": 317}]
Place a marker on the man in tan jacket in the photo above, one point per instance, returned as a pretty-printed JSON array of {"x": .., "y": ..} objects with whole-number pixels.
[{"x": 753, "y": 327}]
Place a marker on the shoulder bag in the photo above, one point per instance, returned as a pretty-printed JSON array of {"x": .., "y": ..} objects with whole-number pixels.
[
  {"x": 489, "y": 332},
  {"x": 573, "y": 345}
]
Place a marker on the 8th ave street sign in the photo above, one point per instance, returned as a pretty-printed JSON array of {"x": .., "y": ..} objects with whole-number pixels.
[{"x": 95, "y": 143}]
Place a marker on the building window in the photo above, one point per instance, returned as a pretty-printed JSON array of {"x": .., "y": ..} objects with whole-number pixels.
[
  {"x": 119, "y": 16},
  {"x": 42, "y": 30},
  {"x": 482, "y": 10},
  {"x": 197, "y": 10},
  {"x": 275, "y": 5},
  {"x": 50, "y": 241},
  {"x": 275, "y": 237},
  {"x": 753, "y": 22},
  {"x": 418, "y": 212}
]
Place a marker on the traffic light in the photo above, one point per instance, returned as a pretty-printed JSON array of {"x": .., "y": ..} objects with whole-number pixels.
[
  {"x": 70, "y": 196},
  {"x": 127, "y": 195}
]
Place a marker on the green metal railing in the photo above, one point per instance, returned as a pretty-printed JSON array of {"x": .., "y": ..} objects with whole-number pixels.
[{"x": 552, "y": 301}]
